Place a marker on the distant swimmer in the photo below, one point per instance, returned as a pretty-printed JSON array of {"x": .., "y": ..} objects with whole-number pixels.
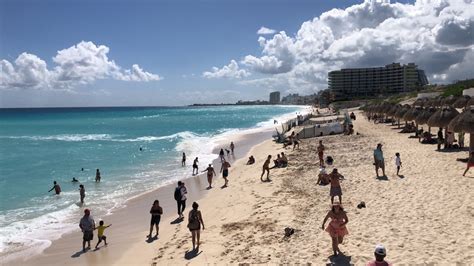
[
  {"x": 266, "y": 167},
  {"x": 210, "y": 174},
  {"x": 56, "y": 187},
  {"x": 74, "y": 180},
  {"x": 195, "y": 166},
  {"x": 82, "y": 169},
  {"x": 232, "y": 147},
  {"x": 141, "y": 149},
  {"x": 97, "y": 175},
  {"x": 82, "y": 192},
  {"x": 275, "y": 121},
  {"x": 183, "y": 161}
]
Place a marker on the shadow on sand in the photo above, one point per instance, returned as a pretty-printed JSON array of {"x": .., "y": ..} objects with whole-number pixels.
[
  {"x": 382, "y": 178},
  {"x": 189, "y": 255},
  {"x": 340, "y": 260},
  {"x": 401, "y": 176},
  {"x": 151, "y": 239},
  {"x": 78, "y": 254},
  {"x": 177, "y": 220}
]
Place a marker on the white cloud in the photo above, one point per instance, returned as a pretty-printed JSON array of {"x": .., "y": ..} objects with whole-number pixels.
[
  {"x": 265, "y": 31},
  {"x": 79, "y": 64},
  {"x": 231, "y": 71},
  {"x": 435, "y": 34}
]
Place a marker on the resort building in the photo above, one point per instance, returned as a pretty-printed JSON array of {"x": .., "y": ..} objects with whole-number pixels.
[
  {"x": 275, "y": 97},
  {"x": 394, "y": 78}
]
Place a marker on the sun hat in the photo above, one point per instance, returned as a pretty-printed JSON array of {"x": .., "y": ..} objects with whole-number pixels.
[{"x": 380, "y": 250}]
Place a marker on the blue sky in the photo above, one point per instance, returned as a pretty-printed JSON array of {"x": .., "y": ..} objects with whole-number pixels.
[{"x": 173, "y": 43}]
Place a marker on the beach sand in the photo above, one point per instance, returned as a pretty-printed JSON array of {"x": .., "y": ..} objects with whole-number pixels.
[{"x": 422, "y": 218}]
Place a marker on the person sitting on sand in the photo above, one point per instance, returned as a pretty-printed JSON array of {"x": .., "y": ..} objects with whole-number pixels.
[
  {"x": 470, "y": 162},
  {"x": 210, "y": 174},
  {"x": 321, "y": 149},
  {"x": 87, "y": 226},
  {"x": 225, "y": 171},
  {"x": 337, "y": 226},
  {"x": 277, "y": 162},
  {"x": 379, "y": 254},
  {"x": 251, "y": 160},
  {"x": 194, "y": 225},
  {"x": 100, "y": 233},
  {"x": 82, "y": 192},
  {"x": 56, "y": 187},
  {"x": 195, "y": 166},
  {"x": 266, "y": 167},
  {"x": 97, "y": 175},
  {"x": 335, "y": 190},
  {"x": 156, "y": 211},
  {"x": 283, "y": 160},
  {"x": 323, "y": 177},
  {"x": 378, "y": 160}
]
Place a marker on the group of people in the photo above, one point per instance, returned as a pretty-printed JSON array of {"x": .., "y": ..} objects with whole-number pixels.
[
  {"x": 82, "y": 191},
  {"x": 87, "y": 225}
]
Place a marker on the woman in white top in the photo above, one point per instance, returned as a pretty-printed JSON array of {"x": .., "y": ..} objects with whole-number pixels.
[{"x": 398, "y": 162}]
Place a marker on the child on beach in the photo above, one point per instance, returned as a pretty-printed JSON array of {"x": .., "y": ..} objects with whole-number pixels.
[
  {"x": 398, "y": 162},
  {"x": 100, "y": 233}
]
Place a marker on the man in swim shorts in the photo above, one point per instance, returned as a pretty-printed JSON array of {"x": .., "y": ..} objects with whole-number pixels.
[
  {"x": 225, "y": 171},
  {"x": 87, "y": 226}
]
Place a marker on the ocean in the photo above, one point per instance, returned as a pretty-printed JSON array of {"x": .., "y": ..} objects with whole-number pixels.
[{"x": 42, "y": 145}]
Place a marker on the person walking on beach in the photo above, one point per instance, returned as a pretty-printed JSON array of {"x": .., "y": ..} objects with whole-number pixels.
[
  {"x": 266, "y": 167},
  {"x": 335, "y": 190},
  {"x": 321, "y": 149},
  {"x": 156, "y": 211},
  {"x": 183, "y": 160},
  {"x": 379, "y": 254},
  {"x": 296, "y": 141},
  {"x": 87, "y": 226},
  {"x": 221, "y": 155},
  {"x": 337, "y": 227},
  {"x": 232, "y": 147},
  {"x": 82, "y": 193},
  {"x": 210, "y": 174},
  {"x": 100, "y": 233},
  {"x": 378, "y": 160},
  {"x": 225, "y": 171},
  {"x": 440, "y": 138},
  {"x": 470, "y": 162},
  {"x": 56, "y": 187},
  {"x": 97, "y": 175},
  {"x": 194, "y": 225},
  {"x": 196, "y": 166},
  {"x": 180, "y": 197},
  {"x": 398, "y": 162}
]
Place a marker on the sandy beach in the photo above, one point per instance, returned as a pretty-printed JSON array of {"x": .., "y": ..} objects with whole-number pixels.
[{"x": 423, "y": 217}]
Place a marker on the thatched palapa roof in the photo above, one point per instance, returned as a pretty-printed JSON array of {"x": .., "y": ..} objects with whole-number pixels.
[
  {"x": 464, "y": 122},
  {"x": 442, "y": 117},
  {"x": 461, "y": 102},
  {"x": 401, "y": 111},
  {"x": 412, "y": 113},
  {"x": 423, "y": 117}
]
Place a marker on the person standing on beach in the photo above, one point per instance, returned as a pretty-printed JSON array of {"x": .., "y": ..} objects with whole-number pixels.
[
  {"x": 440, "y": 138},
  {"x": 97, "y": 175},
  {"x": 210, "y": 174},
  {"x": 225, "y": 171},
  {"x": 296, "y": 141},
  {"x": 335, "y": 190},
  {"x": 87, "y": 226},
  {"x": 321, "y": 149},
  {"x": 379, "y": 254},
  {"x": 232, "y": 146},
  {"x": 266, "y": 167},
  {"x": 56, "y": 187},
  {"x": 183, "y": 161},
  {"x": 378, "y": 160},
  {"x": 398, "y": 162},
  {"x": 194, "y": 225},
  {"x": 82, "y": 193},
  {"x": 337, "y": 227},
  {"x": 196, "y": 166},
  {"x": 156, "y": 211},
  {"x": 470, "y": 162},
  {"x": 180, "y": 197},
  {"x": 221, "y": 155}
]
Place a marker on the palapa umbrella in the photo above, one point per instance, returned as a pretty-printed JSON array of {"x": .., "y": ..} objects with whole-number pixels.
[
  {"x": 449, "y": 100},
  {"x": 411, "y": 114},
  {"x": 401, "y": 112},
  {"x": 464, "y": 122},
  {"x": 424, "y": 115},
  {"x": 461, "y": 102},
  {"x": 419, "y": 102},
  {"x": 442, "y": 117},
  {"x": 471, "y": 102}
]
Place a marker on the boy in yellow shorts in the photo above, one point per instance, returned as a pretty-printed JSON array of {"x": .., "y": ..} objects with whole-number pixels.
[{"x": 100, "y": 233}]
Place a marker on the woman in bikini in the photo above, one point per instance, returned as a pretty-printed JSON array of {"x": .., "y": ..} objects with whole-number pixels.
[
  {"x": 337, "y": 227},
  {"x": 266, "y": 167},
  {"x": 210, "y": 174}
]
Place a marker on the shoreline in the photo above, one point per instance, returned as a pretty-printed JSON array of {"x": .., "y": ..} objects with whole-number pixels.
[{"x": 244, "y": 142}]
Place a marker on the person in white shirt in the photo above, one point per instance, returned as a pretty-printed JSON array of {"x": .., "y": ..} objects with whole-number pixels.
[{"x": 398, "y": 162}]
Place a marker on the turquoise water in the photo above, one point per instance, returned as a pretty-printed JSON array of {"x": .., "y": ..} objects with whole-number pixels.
[{"x": 38, "y": 146}]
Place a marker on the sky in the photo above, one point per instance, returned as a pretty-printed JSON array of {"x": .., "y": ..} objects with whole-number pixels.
[{"x": 56, "y": 53}]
